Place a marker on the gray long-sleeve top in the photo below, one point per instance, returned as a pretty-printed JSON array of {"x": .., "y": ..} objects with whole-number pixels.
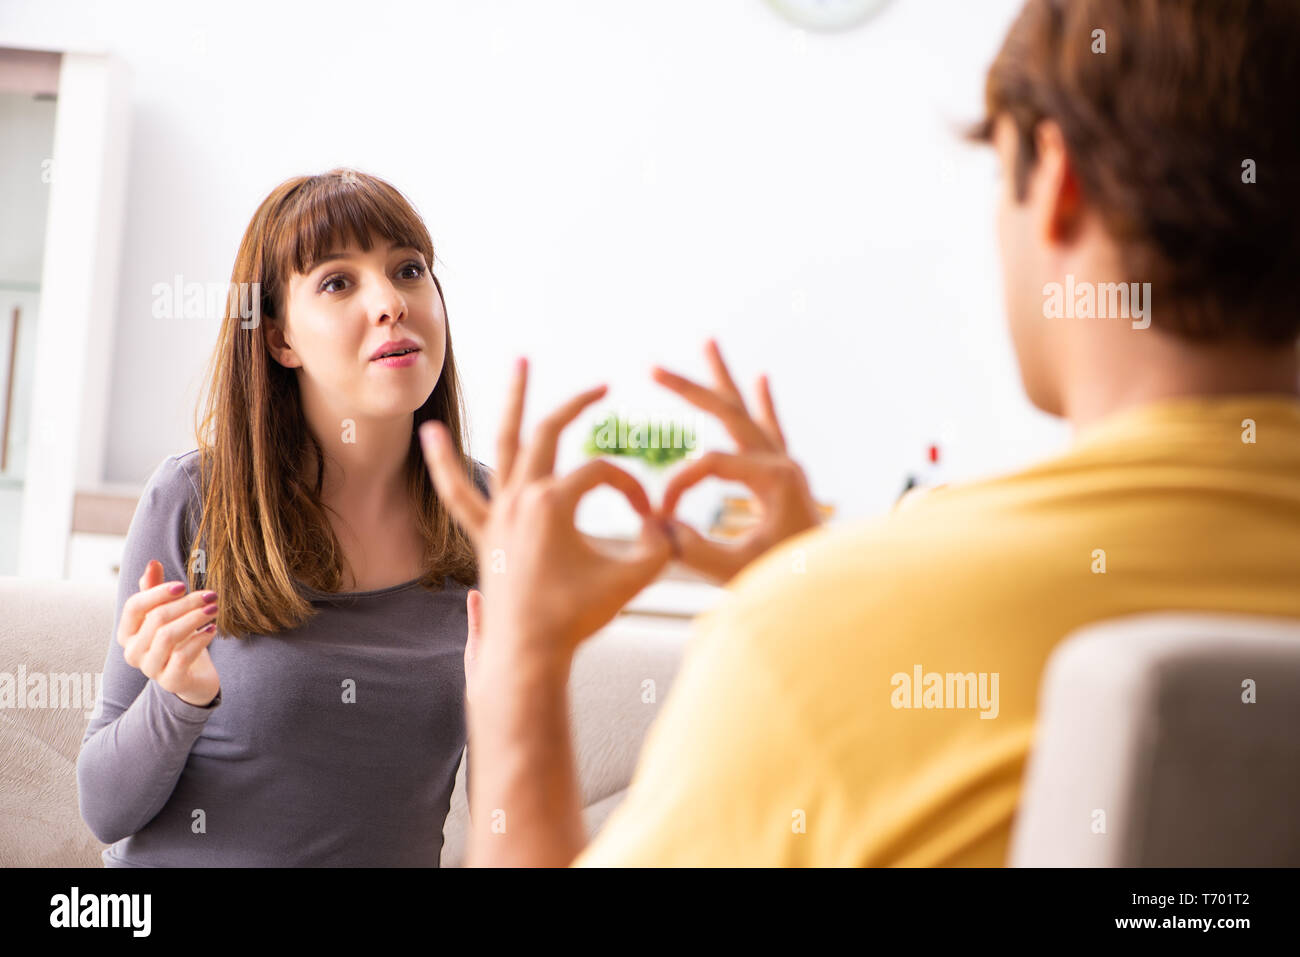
[{"x": 282, "y": 769}]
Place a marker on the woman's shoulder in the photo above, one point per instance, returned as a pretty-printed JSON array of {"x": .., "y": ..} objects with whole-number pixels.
[
  {"x": 175, "y": 477},
  {"x": 171, "y": 495},
  {"x": 189, "y": 463},
  {"x": 481, "y": 473},
  {"x": 165, "y": 519}
]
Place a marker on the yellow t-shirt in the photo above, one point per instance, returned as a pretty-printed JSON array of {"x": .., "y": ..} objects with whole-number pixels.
[{"x": 796, "y": 732}]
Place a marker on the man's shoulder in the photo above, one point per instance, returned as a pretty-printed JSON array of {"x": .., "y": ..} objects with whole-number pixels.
[
  {"x": 934, "y": 534},
  {"x": 960, "y": 553}
]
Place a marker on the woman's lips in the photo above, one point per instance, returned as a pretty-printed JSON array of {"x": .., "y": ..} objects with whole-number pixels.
[{"x": 397, "y": 362}]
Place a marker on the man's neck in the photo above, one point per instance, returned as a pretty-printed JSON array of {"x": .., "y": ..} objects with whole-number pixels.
[{"x": 1108, "y": 374}]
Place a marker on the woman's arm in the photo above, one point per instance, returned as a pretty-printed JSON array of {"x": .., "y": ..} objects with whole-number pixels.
[{"x": 137, "y": 743}]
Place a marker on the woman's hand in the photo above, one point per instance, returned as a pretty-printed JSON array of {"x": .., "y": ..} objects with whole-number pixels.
[
  {"x": 165, "y": 633},
  {"x": 785, "y": 502},
  {"x": 544, "y": 583}
]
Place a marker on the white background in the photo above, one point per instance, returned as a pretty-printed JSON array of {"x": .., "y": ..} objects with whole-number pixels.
[{"x": 606, "y": 183}]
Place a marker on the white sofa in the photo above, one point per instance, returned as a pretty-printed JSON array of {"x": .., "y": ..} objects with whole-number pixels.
[
  {"x": 1141, "y": 718},
  {"x": 62, "y": 627}
]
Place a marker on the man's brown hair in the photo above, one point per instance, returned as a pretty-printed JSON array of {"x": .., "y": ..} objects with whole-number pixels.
[{"x": 1159, "y": 129}]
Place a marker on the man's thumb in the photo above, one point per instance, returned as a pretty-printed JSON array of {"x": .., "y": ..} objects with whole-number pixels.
[
  {"x": 689, "y": 541},
  {"x": 474, "y": 610}
]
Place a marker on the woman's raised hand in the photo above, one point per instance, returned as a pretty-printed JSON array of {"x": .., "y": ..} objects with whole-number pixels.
[
  {"x": 165, "y": 633},
  {"x": 762, "y": 463},
  {"x": 543, "y": 580}
]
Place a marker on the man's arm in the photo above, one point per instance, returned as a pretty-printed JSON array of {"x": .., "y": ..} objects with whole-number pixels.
[
  {"x": 545, "y": 588},
  {"x": 525, "y": 805}
]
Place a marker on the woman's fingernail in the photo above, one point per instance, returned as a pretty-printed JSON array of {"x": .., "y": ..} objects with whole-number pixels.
[
  {"x": 177, "y": 589},
  {"x": 209, "y": 596}
]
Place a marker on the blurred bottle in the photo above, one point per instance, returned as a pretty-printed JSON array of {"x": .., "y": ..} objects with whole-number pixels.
[{"x": 930, "y": 476}]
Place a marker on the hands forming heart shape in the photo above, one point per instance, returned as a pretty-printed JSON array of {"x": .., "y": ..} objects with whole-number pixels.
[{"x": 548, "y": 586}]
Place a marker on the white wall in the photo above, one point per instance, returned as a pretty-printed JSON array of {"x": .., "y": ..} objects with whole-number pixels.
[{"x": 606, "y": 183}]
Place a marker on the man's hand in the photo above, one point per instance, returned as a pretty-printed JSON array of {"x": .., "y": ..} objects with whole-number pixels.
[
  {"x": 785, "y": 501},
  {"x": 545, "y": 588},
  {"x": 544, "y": 583},
  {"x": 474, "y": 613}
]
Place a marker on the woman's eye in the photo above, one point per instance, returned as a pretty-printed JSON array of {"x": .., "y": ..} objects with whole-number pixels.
[{"x": 418, "y": 269}]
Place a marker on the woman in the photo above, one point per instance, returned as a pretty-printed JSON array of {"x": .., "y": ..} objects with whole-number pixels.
[{"x": 326, "y": 729}]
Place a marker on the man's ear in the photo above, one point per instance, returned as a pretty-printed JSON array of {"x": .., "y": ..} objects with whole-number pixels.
[{"x": 1054, "y": 187}]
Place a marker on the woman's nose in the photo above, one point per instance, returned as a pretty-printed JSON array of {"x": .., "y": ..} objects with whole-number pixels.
[{"x": 386, "y": 302}]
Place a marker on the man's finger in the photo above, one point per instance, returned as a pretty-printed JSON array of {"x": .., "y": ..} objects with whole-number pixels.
[
  {"x": 767, "y": 413},
  {"x": 511, "y": 423},
  {"x": 624, "y": 574},
  {"x": 465, "y": 502},
  {"x": 750, "y": 469},
  {"x": 474, "y": 612},
  {"x": 582, "y": 480},
  {"x": 720, "y": 559},
  {"x": 652, "y": 551},
  {"x": 733, "y": 416},
  {"x": 726, "y": 384},
  {"x": 539, "y": 456}
]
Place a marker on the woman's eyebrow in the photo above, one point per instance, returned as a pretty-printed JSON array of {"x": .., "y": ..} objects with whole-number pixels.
[{"x": 331, "y": 257}]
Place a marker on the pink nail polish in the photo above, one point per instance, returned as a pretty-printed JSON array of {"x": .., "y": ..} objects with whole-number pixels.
[{"x": 177, "y": 589}]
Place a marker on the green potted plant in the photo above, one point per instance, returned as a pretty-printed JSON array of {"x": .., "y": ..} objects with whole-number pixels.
[{"x": 643, "y": 447}]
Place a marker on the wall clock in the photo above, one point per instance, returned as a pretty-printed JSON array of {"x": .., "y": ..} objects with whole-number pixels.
[{"x": 827, "y": 15}]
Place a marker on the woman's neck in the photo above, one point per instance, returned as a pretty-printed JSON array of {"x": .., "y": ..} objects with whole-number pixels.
[{"x": 365, "y": 466}]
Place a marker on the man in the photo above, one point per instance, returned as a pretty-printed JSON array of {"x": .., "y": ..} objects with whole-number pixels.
[{"x": 1147, "y": 143}]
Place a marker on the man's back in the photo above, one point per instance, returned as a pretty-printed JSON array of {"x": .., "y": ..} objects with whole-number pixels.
[{"x": 867, "y": 694}]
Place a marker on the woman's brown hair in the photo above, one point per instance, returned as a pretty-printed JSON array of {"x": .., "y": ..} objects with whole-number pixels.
[{"x": 263, "y": 525}]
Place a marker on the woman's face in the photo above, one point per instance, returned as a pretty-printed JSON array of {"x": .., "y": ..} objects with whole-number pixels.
[{"x": 345, "y": 309}]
